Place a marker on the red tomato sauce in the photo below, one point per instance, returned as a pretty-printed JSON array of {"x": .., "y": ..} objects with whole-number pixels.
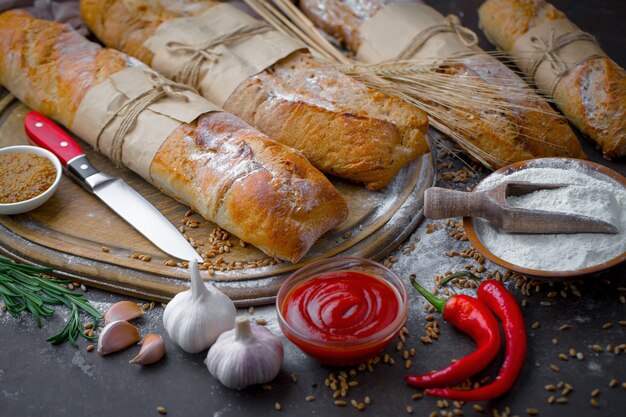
[{"x": 341, "y": 306}]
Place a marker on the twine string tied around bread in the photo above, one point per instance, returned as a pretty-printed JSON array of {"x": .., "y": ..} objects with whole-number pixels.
[
  {"x": 549, "y": 50},
  {"x": 451, "y": 24},
  {"x": 206, "y": 53},
  {"x": 130, "y": 111}
]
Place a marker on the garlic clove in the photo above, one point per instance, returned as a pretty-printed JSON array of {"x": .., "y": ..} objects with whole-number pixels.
[
  {"x": 116, "y": 336},
  {"x": 123, "y": 310},
  {"x": 152, "y": 350}
]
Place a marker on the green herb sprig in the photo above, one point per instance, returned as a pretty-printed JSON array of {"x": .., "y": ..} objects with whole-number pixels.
[{"x": 22, "y": 289}]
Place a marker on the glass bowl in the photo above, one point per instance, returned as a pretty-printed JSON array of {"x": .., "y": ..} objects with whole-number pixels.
[
  {"x": 32, "y": 203},
  {"x": 358, "y": 348}
]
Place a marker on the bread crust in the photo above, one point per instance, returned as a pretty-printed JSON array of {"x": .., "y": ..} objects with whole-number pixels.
[
  {"x": 340, "y": 125},
  {"x": 534, "y": 130},
  {"x": 259, "y": 190},
  {"x": 592, "y": 95}
]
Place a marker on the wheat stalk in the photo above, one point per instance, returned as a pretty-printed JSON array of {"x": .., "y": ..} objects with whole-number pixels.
[{"x": 447, "y": 99}]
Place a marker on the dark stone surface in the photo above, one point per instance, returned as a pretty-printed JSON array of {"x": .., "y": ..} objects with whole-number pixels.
[{"x": 39, "y": 379}]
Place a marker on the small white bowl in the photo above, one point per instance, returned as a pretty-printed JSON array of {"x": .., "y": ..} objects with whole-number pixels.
[{"x": 33, "y": 203}]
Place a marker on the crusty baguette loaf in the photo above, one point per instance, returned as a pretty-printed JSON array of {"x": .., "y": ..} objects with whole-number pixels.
[
  {"x": 341, "y": 126},
  {"x": 261, "y": 191},
  {"x": 533, "y": 130},
  {"x": 592, "y": 95}
]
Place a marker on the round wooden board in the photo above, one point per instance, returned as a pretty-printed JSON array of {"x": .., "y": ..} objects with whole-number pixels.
[{"x": 70, "y": 230}]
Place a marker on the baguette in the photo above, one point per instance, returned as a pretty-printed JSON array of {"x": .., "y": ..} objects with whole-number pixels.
[
  {"x": 343, "y": 127},
  {"x": 259, "y": 190},
  {"x": 532, "y": 130},
  {"x": 592, "y": 94}
]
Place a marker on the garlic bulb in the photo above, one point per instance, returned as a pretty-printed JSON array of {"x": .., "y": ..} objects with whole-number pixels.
[
  {"x": 247, "y": 355},
  {"x": 195, "y": 318}
]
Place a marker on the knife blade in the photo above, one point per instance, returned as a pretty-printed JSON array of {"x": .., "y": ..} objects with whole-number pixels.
[{"x": 114, "y": 192}]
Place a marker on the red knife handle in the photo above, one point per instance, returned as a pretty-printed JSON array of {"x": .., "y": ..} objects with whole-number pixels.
[{"x": 47, "y": 134}]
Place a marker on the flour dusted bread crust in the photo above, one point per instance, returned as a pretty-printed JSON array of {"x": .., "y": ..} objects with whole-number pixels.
[
  {"x": 533, "y": 130},
  {"x": 592, "y": 94},
  {"x": 261, "y": 191},
  {"x": 340, "y": 125}
]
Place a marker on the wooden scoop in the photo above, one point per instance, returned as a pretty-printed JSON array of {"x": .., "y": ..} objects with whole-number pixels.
[{"x": 441, "y": 203}]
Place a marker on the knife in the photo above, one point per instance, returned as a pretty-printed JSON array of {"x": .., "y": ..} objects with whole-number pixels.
[{"x": 114, "y": 192}]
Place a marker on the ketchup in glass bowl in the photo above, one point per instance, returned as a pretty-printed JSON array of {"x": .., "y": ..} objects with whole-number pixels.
[{"x": 342, "y": 311}]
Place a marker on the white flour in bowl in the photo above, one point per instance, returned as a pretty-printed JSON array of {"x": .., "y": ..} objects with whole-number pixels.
[{"x": 589, "y": 193}]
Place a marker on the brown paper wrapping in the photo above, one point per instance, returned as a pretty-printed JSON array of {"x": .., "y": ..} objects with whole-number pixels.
[
  {"x": 394, "y": 27},
  {"x": 237, "y": 61},
  {"x": 547, "y": 75},
  {"x": 153, "y": 126}
]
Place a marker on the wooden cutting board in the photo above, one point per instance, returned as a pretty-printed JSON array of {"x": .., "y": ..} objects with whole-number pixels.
[{"x": 68, "y": 233}]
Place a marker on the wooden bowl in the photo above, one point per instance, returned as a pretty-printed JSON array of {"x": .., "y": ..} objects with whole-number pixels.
[{"x": 470, "y": 230}]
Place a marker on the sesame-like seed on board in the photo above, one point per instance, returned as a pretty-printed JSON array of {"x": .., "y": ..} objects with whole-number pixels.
[
  {"x": 564, "y": 327},
  {"x": 161, "y": 410},
  {"x": 594, "y": 403},
  {"x": 607, "y": 326},
  {"x": 554, "y": 368},
  {"x": 278, "y": 406},
  {"x": 550, "y": 387},
  {"x": 409, "y": 409},
  {"x": 613, "y": 383},
  {"x": 532, "y": 411},
  {"x": 340, "y": 403},
  {"x": 595, "y": 392}
]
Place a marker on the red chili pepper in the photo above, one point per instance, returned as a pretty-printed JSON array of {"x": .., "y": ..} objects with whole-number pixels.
[
  {"x": 474, "y": 318},
  {"x": 503, "y": 304}
]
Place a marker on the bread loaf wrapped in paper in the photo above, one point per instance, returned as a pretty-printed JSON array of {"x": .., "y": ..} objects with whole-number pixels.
[
  {"x": 259, "y": 190},
  {"x": 566, "y": 64},
  {"x": 269, "y": 80},
  {"x": 388, "y": 30}
]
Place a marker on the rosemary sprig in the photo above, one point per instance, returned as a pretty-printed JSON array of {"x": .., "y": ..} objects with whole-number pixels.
[{"x": 22, "y": 289}]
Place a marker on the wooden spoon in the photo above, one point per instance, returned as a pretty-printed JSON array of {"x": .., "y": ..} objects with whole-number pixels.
[{"x": 441, "y": 203}]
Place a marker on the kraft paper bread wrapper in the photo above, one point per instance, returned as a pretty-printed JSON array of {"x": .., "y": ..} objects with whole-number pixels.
[
  {"x": 237, "y": 61},
  {"x": 153, "y": 126},
  {"x": 394, "y": 27},
  {"x": 546, "y": 75}
]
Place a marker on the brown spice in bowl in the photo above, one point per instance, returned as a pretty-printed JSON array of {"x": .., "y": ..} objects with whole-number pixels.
[{"x": 24, "y": 176}]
